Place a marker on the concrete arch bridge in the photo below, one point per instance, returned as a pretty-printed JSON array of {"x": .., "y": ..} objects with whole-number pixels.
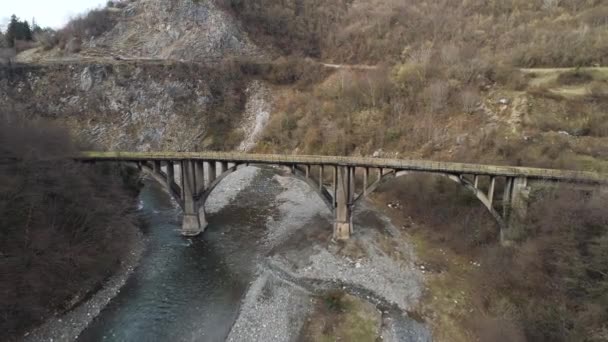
[{"x": 341, "y": 182}]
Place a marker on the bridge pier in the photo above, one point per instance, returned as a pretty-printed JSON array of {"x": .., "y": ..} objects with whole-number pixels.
[
  {"x": 515, "y": 208},
  {"x": 194, "y": 220},
  {"x": 343, "y": 224}
]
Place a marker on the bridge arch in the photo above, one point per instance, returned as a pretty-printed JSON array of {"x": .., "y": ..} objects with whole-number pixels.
[
  {"x": 204, "y": 195},
  {"x": 458, "y": 179},
  {"x": 315, "y": 184},
  {"x": 198, "y": 181},
  {"x": 195, "y": 184}
]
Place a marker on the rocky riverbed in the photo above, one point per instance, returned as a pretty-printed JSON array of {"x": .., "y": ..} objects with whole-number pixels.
[{"x": 303, "y": 263}]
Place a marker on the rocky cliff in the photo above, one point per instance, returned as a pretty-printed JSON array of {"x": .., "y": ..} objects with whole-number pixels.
[
  {"x": 159, "y": 79},
  {"x": 139, "y": 106}
]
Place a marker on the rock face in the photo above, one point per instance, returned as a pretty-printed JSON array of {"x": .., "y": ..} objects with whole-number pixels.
[
  {"x": 177, "y": 30},
  {"x": 156, "y": 81},
  {"x": 132, "y": 106}
]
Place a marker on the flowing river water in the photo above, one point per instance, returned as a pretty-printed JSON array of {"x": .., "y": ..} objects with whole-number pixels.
[{"x": 189, "y": 289}]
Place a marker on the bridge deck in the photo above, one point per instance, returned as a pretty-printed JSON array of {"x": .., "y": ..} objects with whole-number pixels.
[{"x": 400, "y": 164}]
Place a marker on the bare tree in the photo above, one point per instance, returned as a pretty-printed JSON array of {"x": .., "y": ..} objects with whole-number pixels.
[
  {"x": 436, "y": 96},
  {"x": 469, "y": 99}
]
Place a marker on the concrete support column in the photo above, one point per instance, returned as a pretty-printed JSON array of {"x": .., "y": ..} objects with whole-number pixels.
[
  {"x": 343, "y": 220},
  {"x": 321, "y": 174},
  {"x": 223, "y": 166},
  {"x": 210, "y": 172},
  {"x": 170, "y": 173},
  {"x": 352, "y": 187},
  {"x": 193, "y": 222},
  {"x": 517, "y": 209},
  {"x": 335, "y": 185},
  {"x": 365, "y": 180},
  {"x": 157, "y": 166},
  {"x": 506, "y": 198},
  {"x": 491, "y": 190},
  {"x": 199, "y": 176}
]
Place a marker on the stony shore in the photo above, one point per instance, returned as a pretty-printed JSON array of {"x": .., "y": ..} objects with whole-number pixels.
[
  {"x": 299, "y": 268},
  {"x": 68, "y": 326}
]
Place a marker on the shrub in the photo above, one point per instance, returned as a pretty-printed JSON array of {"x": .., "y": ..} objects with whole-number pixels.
[
  {"x": 469, "y": 100},
  {"x": 556, "y": 274},
  {"x": 74, "y": 45},
  {"x": 90, "y": 25},
  {"x": 574, "y": 77},
  {"x": 334, "y": 300},
  {"x": 46, "y": 38}
]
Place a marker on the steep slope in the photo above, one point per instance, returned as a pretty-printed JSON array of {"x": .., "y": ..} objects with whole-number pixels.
[
  {"x": 179, "y": 29},
  {"x": 147, "y": 75},
  {"x": 133, "y": 106}
]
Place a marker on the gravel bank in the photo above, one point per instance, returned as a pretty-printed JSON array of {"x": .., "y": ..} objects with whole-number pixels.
[
  {"x": 298, "y": 205},
  {"x": 394, "y": 278},
  {"x": 229, "y": 188},
  {"x": 68, "y": 326},
  {"x": 298, "y": 268},
  {"x": 273, "y": 310}
]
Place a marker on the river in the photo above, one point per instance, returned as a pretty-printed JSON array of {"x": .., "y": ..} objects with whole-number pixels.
[{"x": 190, "y": 289}]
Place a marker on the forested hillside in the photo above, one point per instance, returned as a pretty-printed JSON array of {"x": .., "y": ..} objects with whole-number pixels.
[
  {"x": 459, "y": 80},
  {"x": 515, "y": 32},
  {"x": 65, "y": 226}
]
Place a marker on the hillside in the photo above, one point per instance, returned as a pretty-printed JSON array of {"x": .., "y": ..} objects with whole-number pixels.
[
  {"x": 516, "y": 32},
  {"x": 149, "y": 29},
  {"x": 502, "y": 82},
  {"x": 449, "y": 80},
  {"x": 513, "y": 82}
]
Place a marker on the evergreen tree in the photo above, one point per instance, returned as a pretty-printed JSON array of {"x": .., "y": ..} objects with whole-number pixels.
[
  {"x": 25, "y": 31},
  {"x": 11, "y": 30},
  {"x": 17, "y": 30}
]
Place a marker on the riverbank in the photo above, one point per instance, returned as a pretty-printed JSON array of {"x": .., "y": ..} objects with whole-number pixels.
[
  {"x": 67, "y": 326},
  {"x": 265, "y": 269}
]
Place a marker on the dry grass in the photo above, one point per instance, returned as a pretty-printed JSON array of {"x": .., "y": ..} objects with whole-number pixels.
[
  {"x": 547, "y": 288},
  {"x": 341, "y": 317},
  {"x": 516, "y": 32}
]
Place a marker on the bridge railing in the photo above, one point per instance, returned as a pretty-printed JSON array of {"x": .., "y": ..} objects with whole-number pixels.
[{"x": 399, "y": 164}]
